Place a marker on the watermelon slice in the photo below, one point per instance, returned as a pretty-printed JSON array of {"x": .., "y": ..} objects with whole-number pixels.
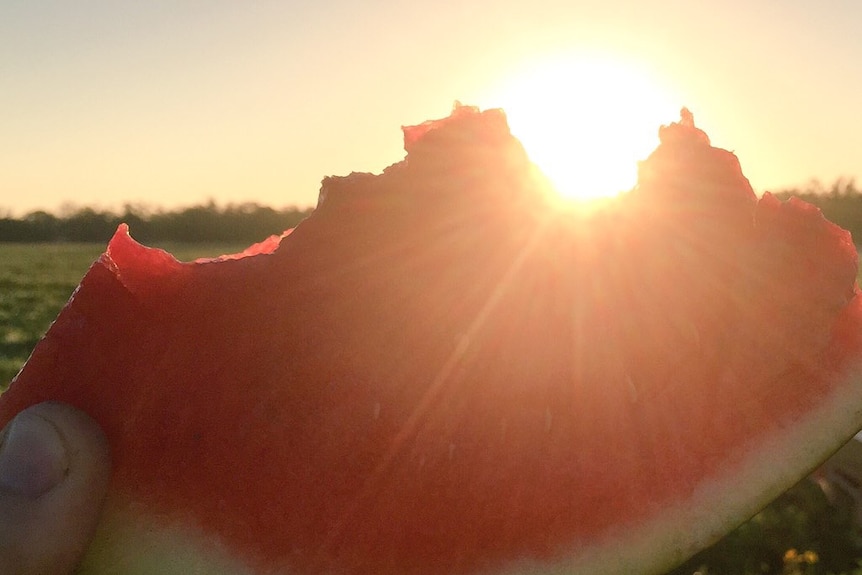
[{"x": 439, "y": 372}]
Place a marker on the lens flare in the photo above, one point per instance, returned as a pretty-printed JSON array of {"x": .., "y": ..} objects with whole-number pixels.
[{"x": 586, "y": 121}]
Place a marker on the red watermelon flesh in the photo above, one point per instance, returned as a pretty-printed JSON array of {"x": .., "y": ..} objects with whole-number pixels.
[{"x": 440, "y": 372}]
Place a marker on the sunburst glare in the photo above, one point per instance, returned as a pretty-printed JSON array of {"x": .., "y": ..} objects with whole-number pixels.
[{"x": 586, "y": 121}]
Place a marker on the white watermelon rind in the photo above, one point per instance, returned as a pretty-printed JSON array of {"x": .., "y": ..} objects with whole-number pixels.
[{"x": 772, "y": 464}]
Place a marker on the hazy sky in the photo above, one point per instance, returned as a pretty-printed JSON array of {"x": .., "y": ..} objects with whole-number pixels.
[{"x": 174, "y": 102}]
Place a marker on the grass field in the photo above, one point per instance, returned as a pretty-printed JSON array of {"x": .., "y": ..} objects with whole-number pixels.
[{"x": 36, "y": 280}]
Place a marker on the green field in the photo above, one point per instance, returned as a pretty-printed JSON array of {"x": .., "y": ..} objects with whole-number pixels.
[{"x": 36, "y": 280}]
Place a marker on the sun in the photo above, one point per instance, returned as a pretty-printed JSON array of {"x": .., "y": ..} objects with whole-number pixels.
[{"x": 586, "y": 121}]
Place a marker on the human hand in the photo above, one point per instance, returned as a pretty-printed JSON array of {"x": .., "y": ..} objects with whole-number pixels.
[{"x": 54, "y": 471}]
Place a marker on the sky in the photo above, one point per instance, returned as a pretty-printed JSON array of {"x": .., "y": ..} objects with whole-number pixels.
[{"x": 175, "y": 102}]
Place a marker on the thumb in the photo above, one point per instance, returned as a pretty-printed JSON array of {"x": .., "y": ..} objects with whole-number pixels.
[{"x": 54, "y": 471}]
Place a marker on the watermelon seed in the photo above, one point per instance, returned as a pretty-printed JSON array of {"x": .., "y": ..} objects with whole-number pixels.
[
  {"x": 694, "y": 334},
  {"x": 632, "y": 388},
  {"x": 462, "y": 343}
]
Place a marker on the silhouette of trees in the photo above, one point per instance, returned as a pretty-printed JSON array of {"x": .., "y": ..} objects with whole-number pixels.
[
  {"x": 841, "y": 202},
  {"x": 246, "y": 222}
]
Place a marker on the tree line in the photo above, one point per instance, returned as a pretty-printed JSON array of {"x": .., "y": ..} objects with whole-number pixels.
[
  {"x": 841, "y": 202},
  {"x": 246, "y": 223}
]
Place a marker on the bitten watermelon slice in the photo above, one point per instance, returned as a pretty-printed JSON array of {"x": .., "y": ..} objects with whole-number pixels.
[{"x": 438, "y": 372}]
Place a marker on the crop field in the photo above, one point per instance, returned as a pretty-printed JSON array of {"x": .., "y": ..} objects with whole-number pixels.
[{"x": 36, "y": 280}]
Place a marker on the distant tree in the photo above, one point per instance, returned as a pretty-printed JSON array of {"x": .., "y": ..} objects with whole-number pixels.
[
  {"x": 15, "y": 230},
  {"x": 41, "y": 226},
  {"x": 246, "y": 223},
  {"x": 841, "y": 202},
  {"x": 88, "y": 225}
]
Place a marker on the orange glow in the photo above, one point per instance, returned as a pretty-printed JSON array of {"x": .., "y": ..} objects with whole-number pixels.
[{"x": 586, "y": 121}]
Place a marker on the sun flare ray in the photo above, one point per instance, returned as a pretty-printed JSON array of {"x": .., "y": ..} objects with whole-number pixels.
[{"x": 586, "y": 121}]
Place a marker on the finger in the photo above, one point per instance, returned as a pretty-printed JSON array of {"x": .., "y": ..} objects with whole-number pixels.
[{"x": 54, "y": 472}]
